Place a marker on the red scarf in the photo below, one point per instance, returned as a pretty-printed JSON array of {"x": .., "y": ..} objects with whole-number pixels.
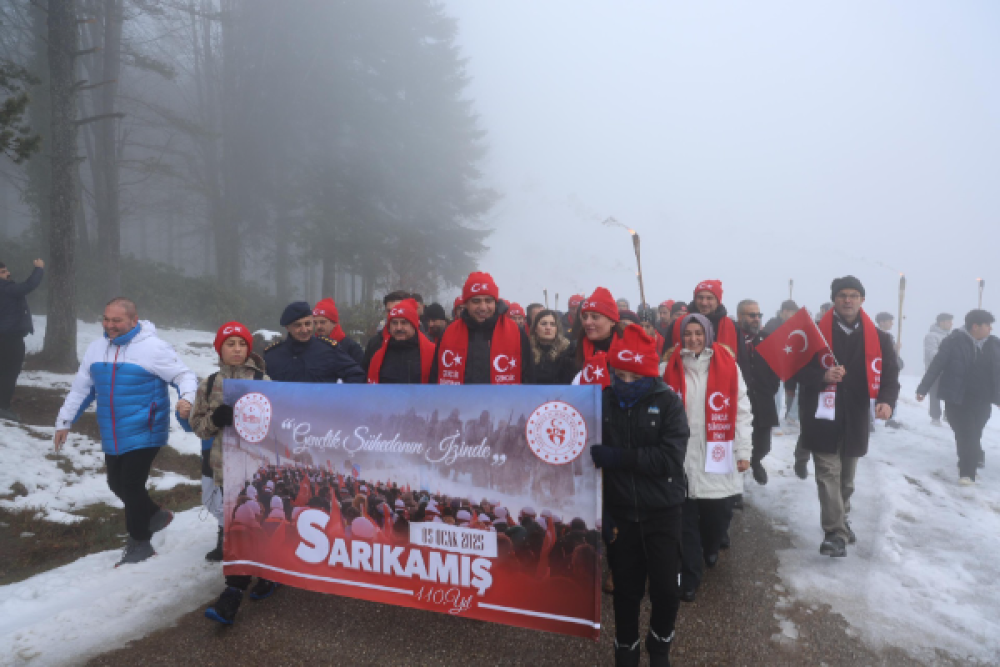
[
  {"x": 721, "y": 394},
  {"x": 725, "y": 333},
  {"x": 426, "y": 359},
  {"x": 505, "y": 353},
  {"x": 660, "y": 342},
  {"x": 337, "y": 334},
  {"x": 595, "y": 365},
  {"x": 873, "y": 348}
]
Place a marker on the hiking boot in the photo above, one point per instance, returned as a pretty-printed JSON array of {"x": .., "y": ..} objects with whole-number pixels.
[
  {"x": 160, "y": 520},
  {"x": 225, "y": 608},
  {"x": 689, "y": 594},
  {"x": 136, "y": 551},
  {"x": 263, "y": 589},
  {"x": 802, "y": 469},
  {"x": 627, "y": 655},
  {"x": 9, "y": 415},
  {"x": 759, "y": 473},
  {"x": 215, "y": 555},
  {"x": 833, "y": 546},
  {"x": 712, "y": 560},
  {"x": 659, "y": 649},
  {"x": 851, "y": 537}
]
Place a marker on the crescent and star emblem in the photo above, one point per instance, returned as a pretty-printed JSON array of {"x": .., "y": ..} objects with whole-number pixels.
[
  {"x": 711, "y": 401},
  {"x": 805, "y": 342},
  {"x": 455, "y": 359},
  {"x": 511, "y": 363},
  {"x": 877, "y": 360},
  {"x": 828, "y": 361}
]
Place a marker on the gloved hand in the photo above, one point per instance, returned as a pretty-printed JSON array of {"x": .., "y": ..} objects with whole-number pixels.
[
  {"x": 222, "y": 416},
  {"x": 613, "y": 457}
]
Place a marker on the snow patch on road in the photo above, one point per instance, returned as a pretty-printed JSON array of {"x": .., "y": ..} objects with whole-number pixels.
[{"x": 924, "y": 574}]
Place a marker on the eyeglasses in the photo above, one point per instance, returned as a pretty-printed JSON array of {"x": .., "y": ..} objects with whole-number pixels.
[{"x": 753, "y": 316}]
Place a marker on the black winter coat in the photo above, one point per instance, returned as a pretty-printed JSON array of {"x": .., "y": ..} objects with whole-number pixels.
[
  {"x": 762, "y": 382},
  {"x": 477, "y": 363},
  {"x": 371, "y": 347},
  {"x": 955, "y": 363},
  {"x": 657, "y": 428},
  {"x": 316, "y": 360},
  {"x": 560, "y": 370},
  {"x": 353, "y": 348},
  {"x": 401, "y": 364},
  {"x": 15, "y": 317},
  {"x": 851, "y": 425}
]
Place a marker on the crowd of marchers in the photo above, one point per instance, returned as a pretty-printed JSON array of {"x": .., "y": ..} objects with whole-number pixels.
[{"x": 689, "y": 406}]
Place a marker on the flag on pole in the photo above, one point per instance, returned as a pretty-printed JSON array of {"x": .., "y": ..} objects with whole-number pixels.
[{"x": 793, "y": 345}]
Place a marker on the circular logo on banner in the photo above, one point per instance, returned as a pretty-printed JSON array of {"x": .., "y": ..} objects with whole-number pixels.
[
  {"x": 556, "y": 432},
  {"x": 718, "y": 453},
  {"x": 829, "y": 399},
  {"x": 252, "y": 417}
]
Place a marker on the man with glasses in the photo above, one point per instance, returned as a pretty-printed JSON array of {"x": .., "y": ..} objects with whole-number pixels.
[
  {"x": 836, "y": 395},
  {"x": 762, "y": 384}
]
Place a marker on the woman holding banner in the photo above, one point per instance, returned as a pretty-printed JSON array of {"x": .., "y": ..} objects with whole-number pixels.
[
  {"x": 645, "y": 435},
  {"x": 704, "y": 373}
]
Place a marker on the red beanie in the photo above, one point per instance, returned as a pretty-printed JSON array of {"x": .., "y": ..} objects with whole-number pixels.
[
  {"x": 634, "y": 351},
  {"x": 407, "y": 310},
  {"x": 515, "y": 309},
  {"x": 713, "y": 286},
  {"x": 668, "y": 304},
  {"x": 602, "y": 302},
  {"x": 230, "y": 329},
  {"x": 479, "y": 284},
  {"x": 458, "y": 303},
  {"x": 576, "y": 300},
  {"x": 328, "y": 309}
]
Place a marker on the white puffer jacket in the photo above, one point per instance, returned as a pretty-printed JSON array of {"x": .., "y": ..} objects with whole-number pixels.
[{"x": 700, "y": 483}]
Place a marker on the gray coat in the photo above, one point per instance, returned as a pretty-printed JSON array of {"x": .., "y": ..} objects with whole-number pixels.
[{"x": 932, "y": 341}]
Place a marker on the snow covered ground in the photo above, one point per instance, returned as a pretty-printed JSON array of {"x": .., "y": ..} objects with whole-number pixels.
[{"x": 924, "y": 573}]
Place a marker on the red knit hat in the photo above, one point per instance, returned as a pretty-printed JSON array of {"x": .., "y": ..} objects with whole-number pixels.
[
  {"x": 601, "y": 302},
  {"x": 713, "y": 286},
  {"x": 407, "y": 310},
  {"x": 515, "y": 309},
  {"x": 458, "y": 303},
  {"x": 479, "y": 284},
  {"x": 328, "y": 309},
  {"x": 668, "y": 304},
  {"x": 230, "y": 329},
  {"x": 634, "y": 351},
  {"x": 576, "y": 300}
]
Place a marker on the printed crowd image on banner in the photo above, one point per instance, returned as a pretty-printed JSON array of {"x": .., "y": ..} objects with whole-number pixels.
[{"x": 476, "y": 501}]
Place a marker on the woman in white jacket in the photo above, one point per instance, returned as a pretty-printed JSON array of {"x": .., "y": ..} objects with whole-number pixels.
[{"x": 707, "y": 377}]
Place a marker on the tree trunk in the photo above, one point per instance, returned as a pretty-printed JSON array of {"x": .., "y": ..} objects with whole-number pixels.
[
  {"x": 329, "y": 284},
  {"x": 282, "y": 287},
  {"x": 109, "y": 233},
  {"x": 59, "y": 351}
]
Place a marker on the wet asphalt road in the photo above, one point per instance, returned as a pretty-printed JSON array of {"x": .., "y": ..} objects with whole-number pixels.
[{"x": 733, "y": 622}]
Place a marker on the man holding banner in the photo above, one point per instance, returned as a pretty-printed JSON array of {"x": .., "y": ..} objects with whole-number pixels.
[{"x": 844, "y": 369}]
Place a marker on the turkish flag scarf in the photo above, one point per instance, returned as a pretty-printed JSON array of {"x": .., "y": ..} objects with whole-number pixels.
[
  {"x": 722, "y": 394},
  {"x": 426, "y": 359},
  {"x": 505, "y": 353},
  {"x": 595, "y": 365},
  {"x": 827, "y": 407}
]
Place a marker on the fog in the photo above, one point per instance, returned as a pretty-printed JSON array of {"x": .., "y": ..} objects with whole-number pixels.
[{"x": 750, "y": 142}]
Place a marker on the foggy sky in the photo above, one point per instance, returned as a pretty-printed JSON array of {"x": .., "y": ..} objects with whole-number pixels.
[{"x": 749, "y": 142}]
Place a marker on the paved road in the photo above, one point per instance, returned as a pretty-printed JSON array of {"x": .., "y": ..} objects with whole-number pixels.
[{"x": 736, "y": 620}]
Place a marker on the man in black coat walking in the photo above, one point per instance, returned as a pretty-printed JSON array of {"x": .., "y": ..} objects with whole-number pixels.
[
  {"x": 762, "y": 384},
  {"x": 15, "y": 324},
  {"x": 835, "y": 401},
  {"x": 301, "y": 357},
  {"x": 968, "y": 366}
]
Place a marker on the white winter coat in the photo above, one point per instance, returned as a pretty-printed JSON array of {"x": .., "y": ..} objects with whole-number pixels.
[{"x": 700, "y": 483}]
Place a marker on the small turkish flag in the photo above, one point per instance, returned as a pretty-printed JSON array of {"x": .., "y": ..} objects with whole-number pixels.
[{"x": 793, "y": 345}]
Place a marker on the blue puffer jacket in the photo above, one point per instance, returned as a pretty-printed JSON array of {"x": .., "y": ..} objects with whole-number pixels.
[{"x": 128, "y": 376}]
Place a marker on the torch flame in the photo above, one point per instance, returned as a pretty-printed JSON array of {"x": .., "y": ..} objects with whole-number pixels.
[{"x": 632, "y": 232}]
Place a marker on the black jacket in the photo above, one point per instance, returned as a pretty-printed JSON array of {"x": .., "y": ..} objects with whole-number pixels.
[
  {"x": 353, "y": 348},
  {"x": 15, "y": 317},
  {"x": 401, "y": 364},
  {"x": 316, "y": 360},
  {"x": 560, "y": 370},
  {"x": 965, "y": 371},
  {"x": 657, "y": 428},
  {"x": 477, "y": 363},
  {"x": 851, "y": 425},
  {"x": 371, "y": 347},
  {"x": 762, "y": 382}
]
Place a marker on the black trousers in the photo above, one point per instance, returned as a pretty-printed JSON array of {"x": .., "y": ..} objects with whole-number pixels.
[
  {"x": 127, "y": 476},
  {"x": 968, "y": 420},
  {"x": 705, "y": 523},
  {"x": 761, "y": 440},
  {"x": 644, "y": 550},
  {"x": 11, "y": 360}
]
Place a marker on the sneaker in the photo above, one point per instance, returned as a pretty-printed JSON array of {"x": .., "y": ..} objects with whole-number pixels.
[
  {"x": 10, "y": 415},
  {"x": 627, "y": 655},
  {"x": 802, "y": 469},
  {"x": 215, "y": 555},
  {"x": 136, "y": 551},
  {"x": 160, "y": 520},
  {"x": 851, "y": 537},
  {"x": 833, "y": 546},
  {"x": 225, "y": 608},
  {"x": 966, "y": 481},
  {"x": 935, "y": 422},
  {"x": 263, "y": 589},
  {"x": 759, "y": 473},
  {"x": 659, "y": 649}
]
